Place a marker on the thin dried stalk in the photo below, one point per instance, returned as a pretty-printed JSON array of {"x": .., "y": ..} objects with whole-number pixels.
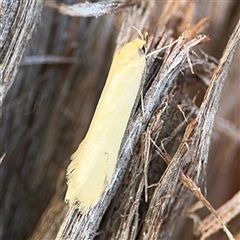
[{"x": 226, "y": 212}]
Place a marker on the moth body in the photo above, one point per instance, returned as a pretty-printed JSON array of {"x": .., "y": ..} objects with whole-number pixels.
[{"x": 93, "y": 164}]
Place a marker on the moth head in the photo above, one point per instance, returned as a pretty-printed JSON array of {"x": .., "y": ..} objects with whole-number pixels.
[
  {"x": 134, "y": 50},
  {"x": 142, "y": 47}
]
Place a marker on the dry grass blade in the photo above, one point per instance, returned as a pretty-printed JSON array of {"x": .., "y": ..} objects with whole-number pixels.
[
  {"x": 196, "y": 191},
  {"x": 89, "y": 9},
  {"x": 46, "y": 59},
  {"x": 226, "y": 213}
]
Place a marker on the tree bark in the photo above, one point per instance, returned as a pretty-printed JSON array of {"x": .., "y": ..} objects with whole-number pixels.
[
  {"x": 48, "y": 108},
  {"x": 18, "y": 20}
]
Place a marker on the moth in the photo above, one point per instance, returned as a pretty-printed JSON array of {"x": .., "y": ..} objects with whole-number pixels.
[{"x": 91, "y": 169}]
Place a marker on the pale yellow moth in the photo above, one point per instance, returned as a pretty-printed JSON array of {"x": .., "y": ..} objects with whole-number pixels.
[{"x": 93, "y": 164}]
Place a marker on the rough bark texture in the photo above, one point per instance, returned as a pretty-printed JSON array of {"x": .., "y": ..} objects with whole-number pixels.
[
  {"x": 49, "y": 106},
  {"x": 18, "y": 20}
]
